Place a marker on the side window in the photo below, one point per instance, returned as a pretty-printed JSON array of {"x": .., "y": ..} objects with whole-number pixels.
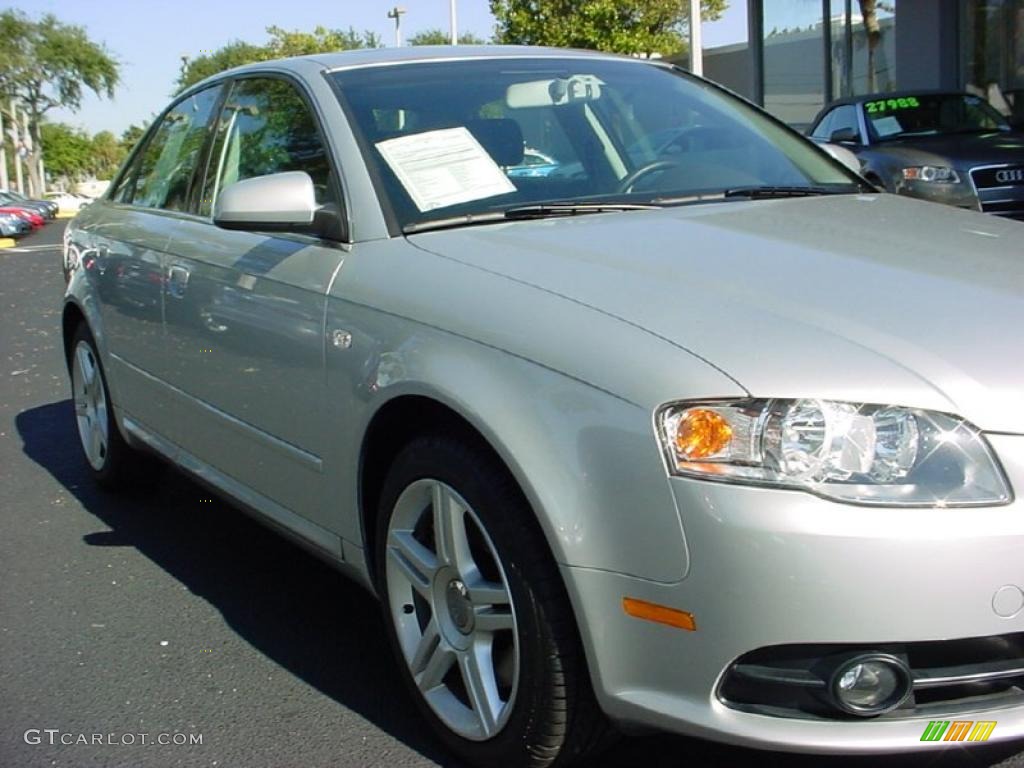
[
  {"x": 265, "y": 127},
  {"x": 844, "y": 117},
  {"x": 823, "y": 129},
  {"x": 162, "y": 172}
]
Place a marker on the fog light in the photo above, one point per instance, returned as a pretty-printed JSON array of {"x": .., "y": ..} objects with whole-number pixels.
[{"x": 870, "y": 685}]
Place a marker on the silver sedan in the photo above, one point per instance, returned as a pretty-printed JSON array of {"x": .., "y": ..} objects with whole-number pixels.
[{"x": 709, "y": 436}]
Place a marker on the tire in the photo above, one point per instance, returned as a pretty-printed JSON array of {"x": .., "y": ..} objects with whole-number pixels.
[
  {"x": 112, "y": 463},
  {"x": 490, "y": 608}
]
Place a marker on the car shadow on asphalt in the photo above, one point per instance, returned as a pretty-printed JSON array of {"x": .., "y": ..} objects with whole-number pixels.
[{"x": 321, "y": 627}]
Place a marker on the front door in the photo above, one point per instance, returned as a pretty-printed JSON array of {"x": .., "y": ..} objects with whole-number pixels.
[{"x": 244, "y": 315}]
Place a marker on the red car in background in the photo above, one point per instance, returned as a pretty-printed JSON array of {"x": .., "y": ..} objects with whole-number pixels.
[{"x": 31, "y": 217}]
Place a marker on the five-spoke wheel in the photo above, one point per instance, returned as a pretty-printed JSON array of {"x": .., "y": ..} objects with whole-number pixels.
[
  {"x": 477, "y": 611},
  {"x": 450, "y": 604},
  {"x": 90, "y": 398}
]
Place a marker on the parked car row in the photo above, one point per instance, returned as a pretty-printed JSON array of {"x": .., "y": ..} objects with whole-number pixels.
[
  {"x": 68, "y": 201},
  {"x": 20, "y": 215}
]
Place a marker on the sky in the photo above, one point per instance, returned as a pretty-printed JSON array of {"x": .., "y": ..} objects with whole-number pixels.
[{"x": 149, "y": 38}]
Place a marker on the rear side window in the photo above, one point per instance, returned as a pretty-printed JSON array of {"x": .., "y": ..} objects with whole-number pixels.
[
  {"x": 161, "y": 174},
  {"x": 265, "y": 127}
]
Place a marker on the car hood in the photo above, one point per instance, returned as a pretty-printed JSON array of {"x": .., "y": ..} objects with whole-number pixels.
[
  {"x": 960, "y": 150},
  {"x": 871, "y": 298}
]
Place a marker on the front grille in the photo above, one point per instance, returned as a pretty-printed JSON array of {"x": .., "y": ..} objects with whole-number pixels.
[
  {"x": 1000, "y": 189},
  {"x": 949, "y": 677}
]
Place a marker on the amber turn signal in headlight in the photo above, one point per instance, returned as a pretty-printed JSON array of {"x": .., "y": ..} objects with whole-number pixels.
[{"x": 702, "y": 433}]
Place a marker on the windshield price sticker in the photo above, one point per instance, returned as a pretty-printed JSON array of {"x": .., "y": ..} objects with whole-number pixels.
[
  {"x": 887, "y": 126},
  {"x": 882, "y": 105},
  {"x": 445, "y": 167}
]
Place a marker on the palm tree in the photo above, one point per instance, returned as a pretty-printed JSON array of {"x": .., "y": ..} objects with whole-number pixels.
[{"x": 869, "y": 13}]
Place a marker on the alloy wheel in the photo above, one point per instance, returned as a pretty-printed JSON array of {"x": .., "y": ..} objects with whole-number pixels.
[
  {"x": 452, "y": 609},
  {"x": 90, "y": 398}
]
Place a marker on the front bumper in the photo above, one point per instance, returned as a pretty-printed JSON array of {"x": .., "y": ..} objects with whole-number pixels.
[{"x": 770, "y": 567}]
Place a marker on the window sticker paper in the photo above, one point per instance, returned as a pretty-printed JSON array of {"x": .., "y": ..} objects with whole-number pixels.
[{"x": 443, "y": 168}]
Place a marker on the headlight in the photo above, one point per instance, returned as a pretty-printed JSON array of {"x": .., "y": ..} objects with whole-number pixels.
[
  {"x": 939, "y": 174},
  {"x": 851, "y": 452}
]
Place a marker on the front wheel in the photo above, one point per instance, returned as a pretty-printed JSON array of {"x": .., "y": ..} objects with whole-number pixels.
[{"x": 477, "y": 613}]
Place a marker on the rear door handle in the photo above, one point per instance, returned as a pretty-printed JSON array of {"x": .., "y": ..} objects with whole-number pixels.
[{"x": 177, "y": 281}]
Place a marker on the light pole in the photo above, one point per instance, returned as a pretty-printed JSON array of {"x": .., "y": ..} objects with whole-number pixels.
[
  {"x": 452, "y": 24},
  {"x": 17, "y": 147},
  {"x": 396, "y": 14},
  {"x": 696, "y": 44},
  {"x": 4, "y": 183}
]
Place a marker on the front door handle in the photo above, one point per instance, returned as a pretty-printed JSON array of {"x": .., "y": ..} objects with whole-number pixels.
[{"x": 177, "y": 281}]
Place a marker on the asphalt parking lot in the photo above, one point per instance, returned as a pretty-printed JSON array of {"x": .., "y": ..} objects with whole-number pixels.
[{"x": 172, "y": 615}]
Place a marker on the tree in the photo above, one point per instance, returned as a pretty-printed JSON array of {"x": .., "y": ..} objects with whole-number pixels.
[
  {"x": 49, "y": 64},
  {"x": 71, "y": 153},
  {"x": 285, "y": 43},
  {"x": 67, "y": 150},
  {"x": 438, "y": 36},
  {"x": 620, "y": 26},
  {"x": 231, "y": 55},
  {"x": 869, "y": 12},
  {"x": 131, "y": 136},
  {"x": 106, "y": 155},
  {"x": 282, "y": 43}
]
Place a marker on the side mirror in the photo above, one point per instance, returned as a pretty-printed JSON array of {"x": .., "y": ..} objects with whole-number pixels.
[
  {"x": 280, "y": 202},
  {"x": 843, "y": 155},
  {"x": 845, "y": 136}
]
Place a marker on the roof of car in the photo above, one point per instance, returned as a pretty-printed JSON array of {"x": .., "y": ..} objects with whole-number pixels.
[
  {"x": 432, "y": 52},
  {"x": 892, "y": 95},
  {"x": 882, "y": 95},
  {"x": 376, "y": 56}
]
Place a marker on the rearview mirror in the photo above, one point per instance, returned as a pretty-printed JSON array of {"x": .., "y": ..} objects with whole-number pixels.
[
  {"x": 551, "y": 93},
  {"x": 279, "y": 202}
]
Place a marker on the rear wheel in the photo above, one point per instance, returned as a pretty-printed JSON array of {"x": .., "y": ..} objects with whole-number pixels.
[
  {"x": 477, "y": 613},
  {"x": 112, "y": 462}
]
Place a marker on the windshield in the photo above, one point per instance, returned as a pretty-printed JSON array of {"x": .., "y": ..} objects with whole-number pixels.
[
  {"x": 483, "y": 136},
  {"x": 932, "y": 115}
]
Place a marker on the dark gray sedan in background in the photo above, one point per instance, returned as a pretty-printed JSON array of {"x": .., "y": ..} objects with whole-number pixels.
[{"x": 951, "y": 148}]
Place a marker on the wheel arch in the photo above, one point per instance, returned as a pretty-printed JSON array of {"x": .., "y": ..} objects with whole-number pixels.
[
  {"x": 415, "y": 415},
  {"x": 586, "y": 461},
  {"x": 71, "y": 318}
]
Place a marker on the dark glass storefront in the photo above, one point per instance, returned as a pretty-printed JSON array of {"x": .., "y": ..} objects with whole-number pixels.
[
  {"x": 815, "y": 51},
  {"x": 992, "y": 45},
  {"x": 801, "y": 54}
]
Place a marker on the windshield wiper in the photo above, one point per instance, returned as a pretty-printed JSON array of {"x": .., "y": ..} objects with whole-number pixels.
[
  {"x": 769, "y": 193},
  {"x": 524, "y": 213},
  {"x": 549, "y": 210},
  {"x": 466, "y": 220}
]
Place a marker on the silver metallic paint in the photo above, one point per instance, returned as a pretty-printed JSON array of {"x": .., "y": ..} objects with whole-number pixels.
[
  {"x": 557, "y": 340},
  {"x": 280, "y": 199}
]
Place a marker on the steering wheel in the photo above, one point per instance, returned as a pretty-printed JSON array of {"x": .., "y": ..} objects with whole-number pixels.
[{"x": 627, "y": 184}]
